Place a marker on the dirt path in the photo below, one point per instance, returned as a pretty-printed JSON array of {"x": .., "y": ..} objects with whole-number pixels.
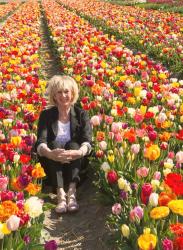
[{"x": 85, "y": 229}]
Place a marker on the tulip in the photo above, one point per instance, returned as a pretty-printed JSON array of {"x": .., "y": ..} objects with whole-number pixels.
[
  {"x": 95, "y": 120},
  {"x": 136, "y": 214},
  {"x": 167, "y": 244},
  {"x": 51, "y": 245},
  {"x": 152, "y": 135},
  {"x": 179, "y": 157},
  {"x": 105, "y": 166},
  {"x": 3, "y": 182},
  {"x": 145, "y": 193},
  {"x": 103, "y": 145},
  {"x": 153, "y": 199},
  {"x": 13, "y": 223},
  {"x": 135, "y": 148},
  {"x": 112, "y": 177},
  {"x": 125, "y": 230},
  {"x": 121, "y": 183},
  {"x": 142, "y": 172},
  {"x": 116, "y": 208},
  {"x": 157, "y": 175},
  {"x": 123, "y": 195}
]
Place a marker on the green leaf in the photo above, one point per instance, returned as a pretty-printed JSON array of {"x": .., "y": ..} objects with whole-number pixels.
[{"x": 48, "y": 206}]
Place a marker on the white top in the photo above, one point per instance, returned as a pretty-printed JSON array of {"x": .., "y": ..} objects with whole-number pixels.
[
  {"x": 64, "y": 133},
  {"x": 63, "y": 136}
]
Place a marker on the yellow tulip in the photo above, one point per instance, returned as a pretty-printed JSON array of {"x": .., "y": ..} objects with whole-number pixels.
[
  {"x": 147, "y": 241},
  {"x": 131, "y": 100},
  {"x": 123, "y": 78},
  {"x": 162, "y": 76},
  {"x": 103, "y": 64},
  {"x": 110, "y": 157},
  {"x": 137, "y": 91},
  {"x": 16, "y": 140},
  {"x": 143, "y": 109},
  {"x": 125, "y": 230},
  {"x": 176, "y": 206},
  {"x": 78, "y": 78},
  {"x": 7, "y": 122},
  {"x": 159, "y": 212},
  {"x": 181, "y": 119},
  {"x": 152, "y": 152},
  {"x": 4, "y": 229}
]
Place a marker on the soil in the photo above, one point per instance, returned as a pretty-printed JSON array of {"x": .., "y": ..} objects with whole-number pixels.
[{"x": 84, "y": 229}]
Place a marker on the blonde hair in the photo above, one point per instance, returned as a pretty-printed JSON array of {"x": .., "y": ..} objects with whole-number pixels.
[{"x": 61, "y": 82}]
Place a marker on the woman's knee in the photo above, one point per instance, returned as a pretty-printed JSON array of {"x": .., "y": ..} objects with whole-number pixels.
[{"x": 72, "y": 145}]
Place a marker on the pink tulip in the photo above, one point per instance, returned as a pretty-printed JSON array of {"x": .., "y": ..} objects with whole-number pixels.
[
  {"x": 118, "y": 137},
  {"x": 115, "y": 127},
  {"x": 136, "y": 214},
  {"x": 3, "y": 182},
  {"x": 95, "y": 120},
  {"x": 167, "y": 244},
  {"x": 103, "y": 145},
  {"x": 138, "y": 117},
  {"x": 157, "y": 175},
  {"x": 116, "y": 208},
  {"x": 142, "y": 172},
  {"x": 135, "y": 148},
  {"x": 109, "y": 119},
  {"x": 171, "y": 154},
  {"x": 179, "y": 157}
]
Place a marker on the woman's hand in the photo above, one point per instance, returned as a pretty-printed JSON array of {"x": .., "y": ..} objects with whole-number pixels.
[
  {"x": 58, "y": 155},
  {"x": 73, "y": 154}
]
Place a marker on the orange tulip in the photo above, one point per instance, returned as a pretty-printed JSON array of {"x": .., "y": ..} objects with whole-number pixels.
[{"x": 164, "y": 198}]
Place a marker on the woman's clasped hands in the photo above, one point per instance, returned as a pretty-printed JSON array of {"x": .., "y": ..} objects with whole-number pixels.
[{"x": 64, "y": 156}]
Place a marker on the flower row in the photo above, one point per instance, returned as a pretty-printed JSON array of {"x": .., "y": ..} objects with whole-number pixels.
[
  {"x": 136, "y": 113},
  {"x": 5, "y": 9},
  {"x": 21, "y": 211},
  {"x": 158, "y": 33}
]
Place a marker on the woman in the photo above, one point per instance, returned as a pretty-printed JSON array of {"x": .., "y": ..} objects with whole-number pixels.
[{"x": 63, "y": 139}]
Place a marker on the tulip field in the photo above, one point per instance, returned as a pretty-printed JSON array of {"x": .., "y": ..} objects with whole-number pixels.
[{"x": 128, "y": 63}]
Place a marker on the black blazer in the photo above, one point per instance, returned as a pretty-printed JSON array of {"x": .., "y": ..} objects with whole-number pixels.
[{"x": 48, "y": 126}]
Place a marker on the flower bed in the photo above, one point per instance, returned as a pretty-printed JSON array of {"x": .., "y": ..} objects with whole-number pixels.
[
  {"x": 21, "y": 209},
  {"x": 169, "y": 2},
  {"x": 159, "y": 34},
  {"x": 5, "y": 9},
  {"x": 136, "y": 113}
]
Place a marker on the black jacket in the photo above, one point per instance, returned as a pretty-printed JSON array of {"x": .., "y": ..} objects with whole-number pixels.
[{"x": 48, "y": 126}]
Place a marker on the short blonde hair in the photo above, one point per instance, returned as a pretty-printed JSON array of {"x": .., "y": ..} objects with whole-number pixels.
[{"x": 61, "y": 82}]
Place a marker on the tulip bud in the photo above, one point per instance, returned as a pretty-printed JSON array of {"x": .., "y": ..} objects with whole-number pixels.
[
  {"x": 153, "y": 199},
  {"x": 125, "y": 230}
]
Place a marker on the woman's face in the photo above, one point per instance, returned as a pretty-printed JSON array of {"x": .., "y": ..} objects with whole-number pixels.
[{"x": 64, "y": 97}]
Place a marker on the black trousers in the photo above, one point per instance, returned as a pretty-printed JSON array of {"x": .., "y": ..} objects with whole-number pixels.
[{"x": 59, "y": 175}]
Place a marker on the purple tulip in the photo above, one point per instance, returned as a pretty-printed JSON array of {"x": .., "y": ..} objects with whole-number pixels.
[
  {"x": 51, "y": 245},
  {"x": 123, "y": 195},
  {"x": 27, "y": 239}
]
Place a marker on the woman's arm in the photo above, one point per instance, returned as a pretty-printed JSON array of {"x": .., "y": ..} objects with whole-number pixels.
[{"x": 42, "y": 131}]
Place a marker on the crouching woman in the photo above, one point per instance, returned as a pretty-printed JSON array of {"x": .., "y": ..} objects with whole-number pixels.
[{"x": 63, "y": 139}]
